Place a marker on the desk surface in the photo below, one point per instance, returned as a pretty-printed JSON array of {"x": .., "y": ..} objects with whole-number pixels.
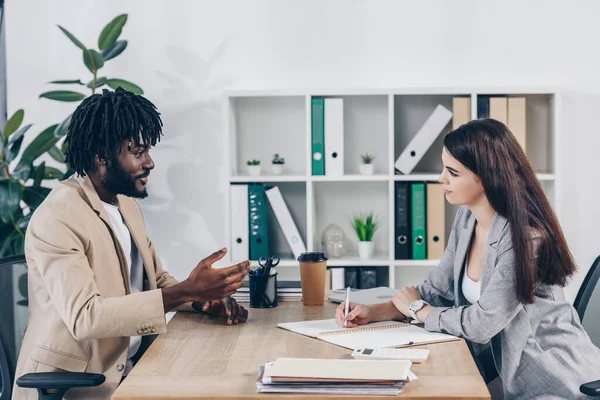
[{"x": 201, "y": 358}]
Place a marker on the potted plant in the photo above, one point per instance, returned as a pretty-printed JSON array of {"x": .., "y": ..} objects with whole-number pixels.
[
  {"x": 366, "y": 168},
  {"x": 365, "y": 227},
  {"x": 277, "y": 164},
  {"x": 253, "y": 167}
]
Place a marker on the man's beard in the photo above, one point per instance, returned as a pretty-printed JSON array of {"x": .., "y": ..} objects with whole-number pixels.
[{"x": 118, "y": 181}]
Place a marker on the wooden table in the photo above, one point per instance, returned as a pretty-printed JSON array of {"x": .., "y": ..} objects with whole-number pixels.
[{"x": 201, "y": 358}]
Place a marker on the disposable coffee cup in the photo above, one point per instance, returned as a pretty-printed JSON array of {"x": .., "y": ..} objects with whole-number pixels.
[{"x": 313, "y": 266}]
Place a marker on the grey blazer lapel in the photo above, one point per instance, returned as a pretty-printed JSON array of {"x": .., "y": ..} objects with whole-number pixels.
[
  {"x": 464, "y": 240},
  {"x": 491, "y": 253}
]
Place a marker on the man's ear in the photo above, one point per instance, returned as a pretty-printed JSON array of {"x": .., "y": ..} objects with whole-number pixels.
[{"x": 100, "y": 163}]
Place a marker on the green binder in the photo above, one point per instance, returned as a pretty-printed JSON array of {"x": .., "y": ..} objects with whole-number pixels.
[
  {"x": 419, "y": 221},
  {"x": 318, "y": 135},
  {"x": 257, "y": 222}
]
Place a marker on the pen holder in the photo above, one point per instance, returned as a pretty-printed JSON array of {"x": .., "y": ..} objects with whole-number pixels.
[{"x": 263, "y": 291}]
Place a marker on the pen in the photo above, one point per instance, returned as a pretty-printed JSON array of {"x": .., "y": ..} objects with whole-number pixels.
[{"x": 347, "y": 304}]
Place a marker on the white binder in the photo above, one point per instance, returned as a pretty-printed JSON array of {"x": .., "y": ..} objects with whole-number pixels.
[
  {"x": 284, "y": 218},
  {"x": 240, "y": 244},
  {"x": 334, "y": 137},
  {"x": 421, "y": 142}
]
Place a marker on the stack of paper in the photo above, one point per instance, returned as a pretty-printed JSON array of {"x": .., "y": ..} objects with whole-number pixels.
[{"x": 332, "y": 376}]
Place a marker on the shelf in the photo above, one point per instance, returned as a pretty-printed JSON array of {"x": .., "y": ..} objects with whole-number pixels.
[
  {"x": 545, "y": 177},
  {"x": 267, "y": 178},
  {"x": 416, "y": 263},
  {"x": 349, "y": 261},
  {"x": 350, "y": 178},
  {"x": 282, "y": 263},
  {"x": 417, "y": 177}
]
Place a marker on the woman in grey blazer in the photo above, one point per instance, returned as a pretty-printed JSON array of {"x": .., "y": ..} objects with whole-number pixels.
[{"x": 499, "y": 283}]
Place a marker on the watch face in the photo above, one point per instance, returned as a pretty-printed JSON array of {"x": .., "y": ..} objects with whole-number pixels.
[{"x": 416, "y": 305}]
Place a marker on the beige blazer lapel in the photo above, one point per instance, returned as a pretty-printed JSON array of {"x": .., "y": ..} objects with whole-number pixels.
[
  {"x": 132, "y": 215},
  {"x": 91, "y": 196}
]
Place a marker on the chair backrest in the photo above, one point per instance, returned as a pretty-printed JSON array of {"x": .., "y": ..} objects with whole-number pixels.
[
  {"x": 587, "y": 302},
  {"x": 13, "y": 320}
]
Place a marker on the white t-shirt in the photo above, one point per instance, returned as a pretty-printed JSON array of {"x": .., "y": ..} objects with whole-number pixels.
[
  {"x": 136, "y": 268},
  {"x": 471, "y": 289}
]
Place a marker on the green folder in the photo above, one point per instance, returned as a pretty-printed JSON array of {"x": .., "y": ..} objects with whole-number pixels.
[
  {"x": 419, "y": 221},
  {"x": 258, "y": 223},
  {"x": 318, "y": 135}
]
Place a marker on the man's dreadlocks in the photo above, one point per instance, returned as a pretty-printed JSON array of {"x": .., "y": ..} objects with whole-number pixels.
[{"x": 103, "y": 121}]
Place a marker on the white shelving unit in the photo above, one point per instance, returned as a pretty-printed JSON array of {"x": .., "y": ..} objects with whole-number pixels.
[{"x": 259, "y": 124}]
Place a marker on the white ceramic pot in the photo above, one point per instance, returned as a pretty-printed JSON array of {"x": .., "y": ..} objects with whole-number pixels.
[
  {"x": 365, "y": 250},
  {"x": 253, "y": 170},
  {"x": 366, "y": 169},
  {"x": 277, "y": 169}
]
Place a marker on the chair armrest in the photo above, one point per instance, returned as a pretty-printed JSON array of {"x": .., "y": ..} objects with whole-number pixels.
[
  {"x": 60, "y": 380},
  {"x": 591, "y": 388}
]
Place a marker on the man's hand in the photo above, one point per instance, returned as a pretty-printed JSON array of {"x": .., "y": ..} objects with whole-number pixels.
[
  {"x": 226, "y": 307},
  {"x": 206, "y": 283},
  {"x": 357, "y": 315},
  {"x": 404, "y": 297}
]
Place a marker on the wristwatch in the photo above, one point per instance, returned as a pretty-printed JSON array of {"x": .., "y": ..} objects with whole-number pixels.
[{"x": 414, "y": 307}]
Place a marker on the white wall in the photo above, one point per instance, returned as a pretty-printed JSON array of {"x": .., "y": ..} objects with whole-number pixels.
[{"x": 183, "y": 53}]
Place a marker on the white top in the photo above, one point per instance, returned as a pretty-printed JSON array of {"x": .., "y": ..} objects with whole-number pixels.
[
  {"x": 471, "y": 289},
  {"x": 136, "y": 268}
]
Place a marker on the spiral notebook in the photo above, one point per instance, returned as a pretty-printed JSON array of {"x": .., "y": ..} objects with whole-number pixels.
[{"x": 377, "y": 334}]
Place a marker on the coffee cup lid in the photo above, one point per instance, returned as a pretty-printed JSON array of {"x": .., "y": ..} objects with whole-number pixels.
[{"x": 314, "y": 256}]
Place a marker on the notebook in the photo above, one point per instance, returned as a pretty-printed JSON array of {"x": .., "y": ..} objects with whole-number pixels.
[
  {"x": 366, "y": 297},
  {"x": 337, "y": 370},
  {"x": 377, "y": 334}
]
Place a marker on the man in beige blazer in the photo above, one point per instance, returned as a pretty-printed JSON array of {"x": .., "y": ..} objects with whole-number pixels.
[{"x": 97, "y": 290}]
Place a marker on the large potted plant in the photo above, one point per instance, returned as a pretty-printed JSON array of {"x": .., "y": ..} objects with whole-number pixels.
[{"x": 21, "y": 190}]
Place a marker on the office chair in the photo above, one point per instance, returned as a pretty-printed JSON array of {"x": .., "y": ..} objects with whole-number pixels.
[
  {"x": 14, "y": 306},
  {"x": 587, "y": 304}
]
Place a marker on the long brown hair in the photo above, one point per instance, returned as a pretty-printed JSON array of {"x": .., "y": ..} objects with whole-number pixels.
[{"x": 491, "y": 151}]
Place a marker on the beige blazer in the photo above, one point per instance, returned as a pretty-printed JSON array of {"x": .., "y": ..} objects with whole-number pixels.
[{"x": 81, "y": 310}]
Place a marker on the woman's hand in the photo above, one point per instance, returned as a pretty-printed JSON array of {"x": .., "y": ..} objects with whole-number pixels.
[
  {"x": 357, "y": 315},
  {"x": 404, "y": 297}
]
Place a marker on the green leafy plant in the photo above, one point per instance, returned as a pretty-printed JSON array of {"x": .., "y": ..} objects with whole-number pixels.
[
  {"x": 365, "y": 226},
  {"x": 22, "y": 182},
  {"x": 367, "y": 159},
  {"x": 21, "y": 190},
  {"x": 278, "y": 160},
  {"x": 253, "y": 162}
]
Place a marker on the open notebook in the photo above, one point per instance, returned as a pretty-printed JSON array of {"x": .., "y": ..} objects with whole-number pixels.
[{"x": 377, "y": 334}]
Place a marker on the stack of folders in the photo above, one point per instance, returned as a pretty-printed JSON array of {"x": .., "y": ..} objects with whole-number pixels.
[
  {"x": 288, "y": 290},
  {"x": 331, "y": 376}
]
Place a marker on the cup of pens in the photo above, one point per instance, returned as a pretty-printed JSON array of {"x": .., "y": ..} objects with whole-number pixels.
[{"x": 263, "y": 283}]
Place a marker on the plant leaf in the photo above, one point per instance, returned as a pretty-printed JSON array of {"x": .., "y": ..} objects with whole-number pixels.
[
  {"x": 33, "y": 196},
  {"x": 115, "y": 83},
  {"x": 41, "y": 144},
  {"x": 12, "y": 244},
  {"x": 93, "y": 60},
  {"x": 53, "y": 173},
  {"x": 111, "y": 32},
  {"x": 23, "y": 223},
  {"x": 20, "y": 133},
  {"x": 14, "y": 123},
  {"x": 56, "y": 154},
  {"x": 73, "y": 38},
  {"x": 12, "y": 150},
  {"x": 63, "y": 95},
  {"x": 114, "y": 50},
  {"x": 62, "y": 129},
  {"x": 99, "y": 82},
  {"x": 67, "y": 82},
  {"x": 39, "y": 174},
  {"x": 11, "y": 193}
]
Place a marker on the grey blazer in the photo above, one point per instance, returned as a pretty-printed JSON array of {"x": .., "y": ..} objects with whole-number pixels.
[{"x": 540, "y": 350}]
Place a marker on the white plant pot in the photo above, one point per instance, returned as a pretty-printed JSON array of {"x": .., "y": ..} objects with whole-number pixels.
[
  {"x": 277, "y": 169},
  {"x": 253, "y": 170},
  {"x": 365, "y": 250},
  {"x": 366, "y": 169}
]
